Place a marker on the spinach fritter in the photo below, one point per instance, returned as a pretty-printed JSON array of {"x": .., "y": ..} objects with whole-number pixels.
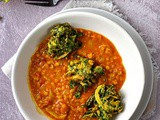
[
  {"x": 63, "y": 40},
  {"x": 105, "y": 103},
  {"x": 83, "y": 73}
]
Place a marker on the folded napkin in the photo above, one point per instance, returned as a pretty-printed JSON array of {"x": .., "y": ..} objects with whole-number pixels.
[
  {"x": 107, "y": 5},
  {"x": 7, "y": 67}
]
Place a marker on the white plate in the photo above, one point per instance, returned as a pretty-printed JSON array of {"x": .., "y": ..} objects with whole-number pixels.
[
  {"x": 143, "y": 51},
  {"x": 133, "y": 86}
]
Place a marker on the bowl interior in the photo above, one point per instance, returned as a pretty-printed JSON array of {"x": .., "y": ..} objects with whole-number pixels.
[{"x": 132, "y": 88}]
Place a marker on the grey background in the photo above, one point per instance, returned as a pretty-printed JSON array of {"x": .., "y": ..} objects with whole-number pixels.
[{"x": 19, "y": 19}]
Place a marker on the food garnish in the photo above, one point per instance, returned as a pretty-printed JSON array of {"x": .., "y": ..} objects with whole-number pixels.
[
  {"x": 83, "y": 73},
  {"x": 63, "y": 40},
  {"x": 105, "y": 103}
]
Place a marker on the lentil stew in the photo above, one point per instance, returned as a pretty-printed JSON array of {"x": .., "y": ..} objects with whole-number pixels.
[{"x": 49, "y": 84}]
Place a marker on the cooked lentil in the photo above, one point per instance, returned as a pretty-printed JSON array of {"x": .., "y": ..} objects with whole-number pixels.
[{"x": 50, "y": 86}]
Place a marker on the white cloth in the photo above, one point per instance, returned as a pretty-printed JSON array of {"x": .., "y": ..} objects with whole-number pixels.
[
  {"x": 107, "y": 5},
  {"x": 7, "y": 67}
]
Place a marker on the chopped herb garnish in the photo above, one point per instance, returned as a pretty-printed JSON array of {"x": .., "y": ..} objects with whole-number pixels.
[
  {"x": 77, "y": 94},
  {"x": 105, "y": 103},
  {"x": 63, "y": 40},
  {"x": 83, "y": 73}
]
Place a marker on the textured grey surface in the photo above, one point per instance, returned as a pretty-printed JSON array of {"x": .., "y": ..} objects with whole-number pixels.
[
  {"x": 145, "y": 15},
  {"x": 19, "y": 19}
]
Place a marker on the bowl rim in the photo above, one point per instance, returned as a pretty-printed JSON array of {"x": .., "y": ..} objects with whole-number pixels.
[{"x": 43, "y": 23}]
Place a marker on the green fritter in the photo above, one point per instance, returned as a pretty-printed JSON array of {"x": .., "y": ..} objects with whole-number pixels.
[
  {"x": 63, "y": 40},
  {"x": 104, "y": 103},
  {"x": 83, "y": 73}
]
